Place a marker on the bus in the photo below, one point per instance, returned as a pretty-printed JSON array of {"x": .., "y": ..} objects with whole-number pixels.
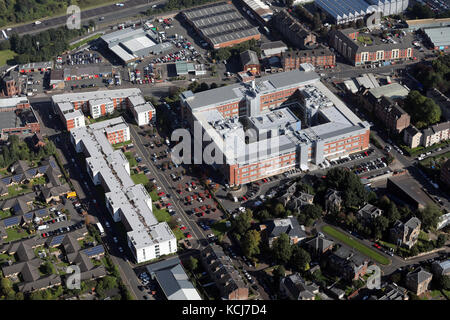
[{"x": 100, "y": 228}]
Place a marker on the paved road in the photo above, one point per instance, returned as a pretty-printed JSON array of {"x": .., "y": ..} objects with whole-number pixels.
[{"x": 111, "y": 13}]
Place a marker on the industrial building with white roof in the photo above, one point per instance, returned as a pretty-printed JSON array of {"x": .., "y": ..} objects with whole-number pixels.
[
  {"x": 296, "y": 120},
  {"x": 126, "y": 202},
  {"x": 70, "y": 106},
  {"x": 131, "y": 44}
]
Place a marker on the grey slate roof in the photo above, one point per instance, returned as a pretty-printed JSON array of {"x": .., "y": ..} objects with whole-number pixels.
[
  {"x": 173, "y": 280},
  {"x": 298, "y": 288},
  {"x": 419, "y": 275},
  {"x": 319, "y": 243},
  {"x": 290, "y": 226},
  {"x": 249, "y": 57}
]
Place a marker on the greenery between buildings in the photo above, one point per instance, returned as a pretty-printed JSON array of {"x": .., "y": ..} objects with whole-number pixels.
[{"x": 355, "y": 244}]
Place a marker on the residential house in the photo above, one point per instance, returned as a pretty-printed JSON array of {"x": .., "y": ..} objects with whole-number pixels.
[
  {"x": 406, "y": 234},
  {"x": 333, "y": 200},
  {"x": 435, "y": 134},
  {"x": 293, "y": 30},
  {"x": 441, "y": 268},
  {"x": 391, "y": 115},
  {"x": 369, "y": 213},
  {"x": 250, "y": 62},
  {"x": 320, "y": 57},
  {"x": 290, "y": 226},
  {"x": 222, "y": 271},
  {"x": 393, "y": 292},
  {"x": 54, "y": 193},
  {"x": 348, "y": 264},
  {"x": 412, "y": 136},
  {"x": 295, "y": 201},
  {"x": 418, "y": 280},
  {"x": 296, "y": 288},
  {"x": 318, "y": 245}
]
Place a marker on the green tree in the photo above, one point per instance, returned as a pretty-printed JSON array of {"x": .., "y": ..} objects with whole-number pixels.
[
  {"x": 279, "y": 210},
  {"x": 444, "y": 282},
  {"x": 300, "y": 259},
  {"x": 223, "y": 54},
  {"x": 243, "y": 222},
  {"x": 392, "y": 212},
  {"x": 430, "y": 216},
  {"x": 192, "y": 264},
  {"x": 250, "y": 243},
  {"x": 281, "y": 248},
  {"x": 440, "y": 242}
]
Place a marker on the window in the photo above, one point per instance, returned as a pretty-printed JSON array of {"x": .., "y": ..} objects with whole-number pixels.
[
  {"x": 409, "y": 53},
  {"x": 395, "y": 54},
  {"x": 380, "y": 55},
  {"x": 364, "y": 56}
]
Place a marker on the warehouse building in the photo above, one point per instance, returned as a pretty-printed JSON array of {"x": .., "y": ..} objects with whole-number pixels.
[
  {"x": 71, "y": 106},
  {"x": 131, "y": 44},
  {"x": 288, "y": 132},
  {"x": 417, "y": 24},
  {"x": 344, "y": 11},
  {"x": 274, "y": 48},
  {"x": 126, "y": 202},
  {"x": 362, "y": 49},
  {"x": 17, "y": 117},
  {"x": 221, "y": 25},
  {"x": 390, "y": 7},
  {"x": 438, "y": 38},
  {"x": 36, "y": 67},
  {"x": 258, "y": 10}
]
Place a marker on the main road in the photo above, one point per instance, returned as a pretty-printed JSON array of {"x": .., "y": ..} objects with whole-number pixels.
[{"x": 111, "y": 13}]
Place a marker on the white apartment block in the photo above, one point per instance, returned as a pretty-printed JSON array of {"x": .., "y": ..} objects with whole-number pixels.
[
  {"x": 126, "y": 202},
  {"x": 104, "y": 102}
]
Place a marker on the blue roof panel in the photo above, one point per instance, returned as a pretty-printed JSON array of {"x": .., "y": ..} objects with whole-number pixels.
[
  {"x": 90, "y": 252},
  {"x": 9, "y": 222}
]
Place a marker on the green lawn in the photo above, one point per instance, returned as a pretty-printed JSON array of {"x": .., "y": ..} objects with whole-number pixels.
[
  {"x": 4, "y": 172},
  {"x": 154, "y": 195},
  {"x": 139, "y": 178},
  {"x": 120, "y": 145},
  {"x": 387, "y": 244},
  {"x": 15, "y": 233},
  {"x": 5, "y": 257},
  {"x": 219, "y": 228},
  {"x": 131, "y": 159},
  {"x": 6, "y": 55},
  {"x": 355, "y": 244},
  {"x": 5, "y": 214},
  {"x": 15, "y": 190},
  {"x": 161, "y": 214},
  {"x": 38, "y": 181},
  {"x": 82, "y": 42}
]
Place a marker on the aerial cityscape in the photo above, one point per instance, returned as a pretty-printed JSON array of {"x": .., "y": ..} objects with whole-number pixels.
[{"x": 238, "y": 150}]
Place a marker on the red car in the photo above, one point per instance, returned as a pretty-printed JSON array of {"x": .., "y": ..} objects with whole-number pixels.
[
  {"x": 161, "y": 193},
  {"x": 188, "y": 235},
  {"x": 244, "y": 197},
  {"x": 183, "y": 228},
  {"x": 44, "y": 235}
]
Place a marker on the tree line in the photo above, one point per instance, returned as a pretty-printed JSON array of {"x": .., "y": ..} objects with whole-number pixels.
[
  {"x": 16, "y": 149},
  {"x": 42, "y": 46}
]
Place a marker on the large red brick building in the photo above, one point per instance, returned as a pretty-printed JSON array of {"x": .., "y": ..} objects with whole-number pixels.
[
  {"x": 301, "y": 130},
  {"x": 17, "y": 117},
  {"x": 321, "y": 57},
  {"x": 362, "y": 48}
]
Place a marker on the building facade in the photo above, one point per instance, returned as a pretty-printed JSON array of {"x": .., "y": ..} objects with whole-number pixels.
[
  {"x": 330, "y": 131},
  {"x": 17, "y": 117},
  {"x": 317, "y": 57},
  {"x": 392, "y": 115},
  {"x": 71, "y": 107},
  {"x": 125, "y": 201},
  {"x": 353, "y": 46},
  {"x": 293, "y": 30}
]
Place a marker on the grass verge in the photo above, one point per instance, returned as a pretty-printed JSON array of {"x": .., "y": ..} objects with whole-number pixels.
[{"x": 355, "y": 244}]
